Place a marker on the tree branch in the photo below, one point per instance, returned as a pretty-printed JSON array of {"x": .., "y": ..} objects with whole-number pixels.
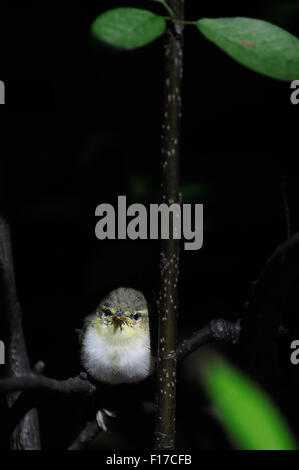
[
  {"x": 26, "y": 435},
  {"x": 215, "y": 330},
  {"x": 169, "y": 267},
  {"x": 40, "y": 382}
]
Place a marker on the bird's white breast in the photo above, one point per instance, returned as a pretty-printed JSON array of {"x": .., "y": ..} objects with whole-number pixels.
[{"x": 119, "y": 359}]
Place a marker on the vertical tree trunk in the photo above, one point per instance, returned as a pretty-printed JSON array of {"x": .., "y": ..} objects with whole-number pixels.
[
  {"x": 169, "y": 263},
  {"x": 26, "y": 435}
]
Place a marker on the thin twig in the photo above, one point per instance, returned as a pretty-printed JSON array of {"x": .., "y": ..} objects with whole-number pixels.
[{"x": 88, "y": 433}]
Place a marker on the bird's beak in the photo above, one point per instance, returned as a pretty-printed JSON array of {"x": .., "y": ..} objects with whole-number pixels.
[{"x": 120, "y": 318}]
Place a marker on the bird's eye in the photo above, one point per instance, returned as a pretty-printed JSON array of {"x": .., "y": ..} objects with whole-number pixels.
[
  {"x": 107, "y": 313},
  {"x": 136, "y": 316}
]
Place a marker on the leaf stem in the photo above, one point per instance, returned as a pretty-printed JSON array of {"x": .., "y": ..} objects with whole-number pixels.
[
  {"x": 174, "y": 20},
  {"x": 170, "y": 10},
  {"x": 184, "y": 22}
]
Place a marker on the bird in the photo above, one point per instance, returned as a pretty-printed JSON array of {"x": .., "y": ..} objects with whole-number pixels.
[{"x": 116, "y": 341}]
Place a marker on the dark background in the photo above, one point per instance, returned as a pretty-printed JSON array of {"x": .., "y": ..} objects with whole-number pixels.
[{"x": 81, "y": 125}]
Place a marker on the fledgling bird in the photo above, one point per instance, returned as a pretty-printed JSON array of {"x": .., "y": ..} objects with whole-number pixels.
[{"x": 116, "y": 346}]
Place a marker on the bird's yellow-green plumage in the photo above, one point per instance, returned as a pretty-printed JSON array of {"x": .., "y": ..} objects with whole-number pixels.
[{"x": 116, "y": 341}]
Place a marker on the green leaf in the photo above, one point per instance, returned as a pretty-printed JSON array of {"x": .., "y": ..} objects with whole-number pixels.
[
  {"x": 128, "y": 28},
  {"x": 250, "y": 418},
  {"x": 258, "y": 45}
]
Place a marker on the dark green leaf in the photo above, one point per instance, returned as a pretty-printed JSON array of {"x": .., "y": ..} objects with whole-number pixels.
[
  {"x": 128, "y": 28},
  {"x": 259, "y": 45},
  {"x": 191, "y": 190}
]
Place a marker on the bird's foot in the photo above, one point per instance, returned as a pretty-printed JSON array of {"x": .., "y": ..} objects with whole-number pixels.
[
  {"x": 110, "y": 413},
  {"x": 101, "y": 418}
]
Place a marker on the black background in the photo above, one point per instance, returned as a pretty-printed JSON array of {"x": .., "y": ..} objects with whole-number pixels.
[{"x": 81, "y": 125}]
